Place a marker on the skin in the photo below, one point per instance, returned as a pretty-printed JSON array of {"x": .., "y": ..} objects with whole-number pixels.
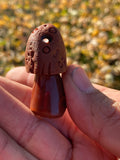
[{"x": 89, "y": 129}]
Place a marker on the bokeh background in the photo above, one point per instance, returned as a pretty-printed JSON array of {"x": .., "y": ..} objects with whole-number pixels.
[{"x": 90, "y": 30}]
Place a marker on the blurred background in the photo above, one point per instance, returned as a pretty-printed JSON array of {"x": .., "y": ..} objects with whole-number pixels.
[{"x": 90, "y": 30}]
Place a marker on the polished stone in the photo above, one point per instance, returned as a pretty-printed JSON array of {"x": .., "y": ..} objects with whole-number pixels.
[{"x": 48, "y": 98}]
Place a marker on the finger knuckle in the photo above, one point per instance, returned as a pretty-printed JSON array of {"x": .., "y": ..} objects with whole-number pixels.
[
  {"x": 101, "y": 111},
  {"x": 28, "y": 131}
]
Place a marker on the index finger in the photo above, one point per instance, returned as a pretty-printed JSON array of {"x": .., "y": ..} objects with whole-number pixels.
[{"x": 20, "y": 75}]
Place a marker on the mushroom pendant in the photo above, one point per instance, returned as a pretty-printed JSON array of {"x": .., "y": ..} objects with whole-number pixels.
[{"x": 45, "y": 56}]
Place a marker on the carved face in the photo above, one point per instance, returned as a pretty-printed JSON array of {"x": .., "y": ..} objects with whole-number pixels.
[{"x": 45, "y": 52}]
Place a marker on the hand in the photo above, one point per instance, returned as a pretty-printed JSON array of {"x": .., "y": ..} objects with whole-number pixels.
[{"x": 89, "y": 128}]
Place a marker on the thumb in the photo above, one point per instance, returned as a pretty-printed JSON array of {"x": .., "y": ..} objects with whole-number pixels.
[{"x": 94, "y": 113}]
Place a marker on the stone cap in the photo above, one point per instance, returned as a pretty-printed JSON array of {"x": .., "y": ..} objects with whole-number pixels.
[{"x": 45, "y": 51}]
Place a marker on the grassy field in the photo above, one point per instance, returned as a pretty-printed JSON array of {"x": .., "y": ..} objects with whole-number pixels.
[{"x": 90, "y": 29}]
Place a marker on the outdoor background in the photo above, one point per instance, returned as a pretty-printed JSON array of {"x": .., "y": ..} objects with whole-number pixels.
[{"x": 90, "y": 30}]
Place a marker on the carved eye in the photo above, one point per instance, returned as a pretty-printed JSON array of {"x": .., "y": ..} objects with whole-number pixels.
[
  {"x": 52, "y": 30},
  {"x": 46, "y": 50}
]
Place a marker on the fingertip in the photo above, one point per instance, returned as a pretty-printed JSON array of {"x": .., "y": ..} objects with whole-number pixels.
[
  {"x": 12, "y": 73},
  {"x": 20, "y": 75},
  {"x": 72, "y": 93},
  {"x": 70, "y": 69}
]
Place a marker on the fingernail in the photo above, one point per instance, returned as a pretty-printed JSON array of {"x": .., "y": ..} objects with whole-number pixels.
[{"x": 81, "y": 80}]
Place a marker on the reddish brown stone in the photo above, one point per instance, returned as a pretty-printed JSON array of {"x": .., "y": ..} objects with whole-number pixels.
[
  {"x": 48, "y": 98},
  {"x": 47, "y": 48},
  {"x": 45, "y": 56}
]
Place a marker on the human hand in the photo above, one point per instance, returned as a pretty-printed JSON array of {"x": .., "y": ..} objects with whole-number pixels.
[{"x": 90, "y": 124}]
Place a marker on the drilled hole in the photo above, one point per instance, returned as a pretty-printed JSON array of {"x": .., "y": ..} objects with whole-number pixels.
[{"x": 46, "y": 39}]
